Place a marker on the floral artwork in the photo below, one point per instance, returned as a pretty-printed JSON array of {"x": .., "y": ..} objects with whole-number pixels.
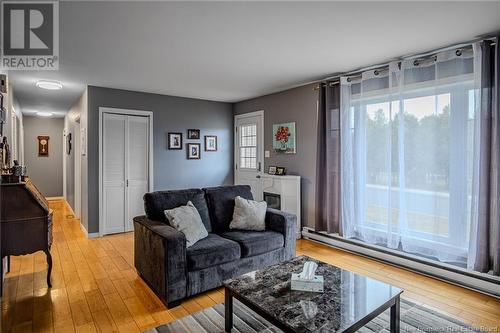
[{"x": 284, "y": 138}]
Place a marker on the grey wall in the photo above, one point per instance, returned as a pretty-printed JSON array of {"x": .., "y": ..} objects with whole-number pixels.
[
  {"x": 78, "y": 111},
  {"x": 45, "y": 171},
  {"x": 298, "y": 105},
  {"x": 171, "y": 168},
  {"x": 69, "y": 129}
]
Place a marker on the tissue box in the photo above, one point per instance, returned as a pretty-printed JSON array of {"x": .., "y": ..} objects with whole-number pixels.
[{"x": 315, "y": 285}]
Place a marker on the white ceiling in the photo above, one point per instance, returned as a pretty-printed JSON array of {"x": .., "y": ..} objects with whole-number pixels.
[{"x": 231, "y": 51}]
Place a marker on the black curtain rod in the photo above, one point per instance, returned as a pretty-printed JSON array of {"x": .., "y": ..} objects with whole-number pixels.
[{"x": 335, "y": 79}]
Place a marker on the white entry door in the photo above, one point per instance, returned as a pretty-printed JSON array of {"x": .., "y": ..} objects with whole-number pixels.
[
  {"x": 249, "y": 151},
  {"x": 125, "y": 170}
]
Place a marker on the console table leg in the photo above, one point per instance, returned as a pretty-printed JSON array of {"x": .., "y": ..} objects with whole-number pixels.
[
  {"x": 228, "y": 306},
  {"x": 49, "y": 271},
  {"x": 395, "y": 310}
]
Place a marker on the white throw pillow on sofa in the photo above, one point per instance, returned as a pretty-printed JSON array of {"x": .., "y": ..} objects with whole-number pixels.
[
  {"x": 187, "y": 220},
  {"x": 249, "y": 215}
]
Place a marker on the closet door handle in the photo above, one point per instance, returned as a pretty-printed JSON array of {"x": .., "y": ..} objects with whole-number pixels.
[{"x": 127, "y": 183}]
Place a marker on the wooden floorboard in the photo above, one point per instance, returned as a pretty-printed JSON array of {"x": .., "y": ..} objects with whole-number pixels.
[{"x": 96, "y": 288}]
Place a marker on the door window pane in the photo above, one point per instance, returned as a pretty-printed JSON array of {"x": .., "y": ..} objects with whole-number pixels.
[{"x": 248, "y": 146}]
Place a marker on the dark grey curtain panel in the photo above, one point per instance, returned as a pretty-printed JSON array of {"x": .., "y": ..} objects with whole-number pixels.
[
  {"x": 485, "y": 233},
  {"x": 328, "y": 161}
]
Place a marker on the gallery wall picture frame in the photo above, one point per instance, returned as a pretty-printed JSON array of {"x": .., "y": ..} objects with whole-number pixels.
[
  {"x": 210, "y": 143},
  {"x": 193, "y": 151},
  {"x": 174, "y": 141},
  {"x": 193, "y": 134},
  {"x": 272, "y": 170},
  {"x": 43, "y": 145}
]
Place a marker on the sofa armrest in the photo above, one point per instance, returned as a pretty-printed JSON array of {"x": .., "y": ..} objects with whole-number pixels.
[
  {"x": 285, "y": 224},
  {"x": 160, "y": 258}
]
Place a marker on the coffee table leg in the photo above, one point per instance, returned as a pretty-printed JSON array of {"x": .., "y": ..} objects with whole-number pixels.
[
  {"x": 228, "y": 306},
  {"x": 395, "y": 316}
]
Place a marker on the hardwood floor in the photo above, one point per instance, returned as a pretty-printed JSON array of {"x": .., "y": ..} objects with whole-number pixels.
[{"x": 95, "y": 287}]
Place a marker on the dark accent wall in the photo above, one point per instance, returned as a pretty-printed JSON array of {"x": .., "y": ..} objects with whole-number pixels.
[
  {"x": 301, "y": 106},
  {"x": 170, "y": 114},
  {"x": 45, "y": 171}
]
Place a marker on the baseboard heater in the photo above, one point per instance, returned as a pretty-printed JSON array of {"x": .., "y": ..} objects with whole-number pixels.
[{"x": 475, "y": 281}]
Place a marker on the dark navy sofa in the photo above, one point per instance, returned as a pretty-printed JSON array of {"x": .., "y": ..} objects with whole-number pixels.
[{"x": 174, "y": 272}]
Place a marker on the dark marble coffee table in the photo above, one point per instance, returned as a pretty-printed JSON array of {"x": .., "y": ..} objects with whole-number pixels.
[{"x": 348, "y": 303}]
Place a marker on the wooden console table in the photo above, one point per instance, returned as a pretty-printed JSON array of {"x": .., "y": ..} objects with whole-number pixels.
[{"x": 26, "y": 223}]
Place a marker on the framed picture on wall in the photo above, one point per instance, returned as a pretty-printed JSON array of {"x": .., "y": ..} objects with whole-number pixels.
[
  {"x": 175, "y": 141},
  {"x": 193, "y": 134},
  {"x": 193, "y": 151},
  {"x": 280, "y": 171},
  {"x": 68, "y": 143},
  {"x": 43, "y": 145},
  {"x": 210, "y": 143},
  {"x": 284, "y": 138}
]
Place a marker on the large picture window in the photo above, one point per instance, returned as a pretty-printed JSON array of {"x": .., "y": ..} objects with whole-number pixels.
[{"x": 407, "y": 135}]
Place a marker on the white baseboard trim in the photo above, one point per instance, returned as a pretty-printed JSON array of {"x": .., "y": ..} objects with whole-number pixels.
[
  {"x": 462, "y": 280},
  {"x": 91, "y": 235}
]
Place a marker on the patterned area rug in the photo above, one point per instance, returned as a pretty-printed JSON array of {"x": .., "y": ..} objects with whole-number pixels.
[{"x": 414, "y": 318}]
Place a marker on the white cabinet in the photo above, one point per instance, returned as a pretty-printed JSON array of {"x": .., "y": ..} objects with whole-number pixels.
[{"x": 286, "y": 191}]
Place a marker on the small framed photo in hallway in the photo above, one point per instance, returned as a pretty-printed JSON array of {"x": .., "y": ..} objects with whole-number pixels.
[
  {"x": 210, "y": 143},
  {"x": 175, "y": 141},
  {"x": 193, "y": 151}
]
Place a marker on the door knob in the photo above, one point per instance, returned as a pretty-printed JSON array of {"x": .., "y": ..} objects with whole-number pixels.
[{"x": 258, "y": 176}]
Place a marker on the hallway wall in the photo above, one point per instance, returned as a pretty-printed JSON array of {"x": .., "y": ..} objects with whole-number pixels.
[
  {"x": 76, "y": 163},
  {"x": 45, "y": 171}
]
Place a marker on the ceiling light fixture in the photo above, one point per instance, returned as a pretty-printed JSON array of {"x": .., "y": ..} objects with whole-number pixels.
[
  {"x": 50, "y": 85},
  {"x": 44, "y": 114}
]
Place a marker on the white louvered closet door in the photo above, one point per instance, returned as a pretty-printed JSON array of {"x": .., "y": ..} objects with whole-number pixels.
[
  {"x": 137, "y": 167},
  {"x": 125, "y": 170},
  {"x": 114, "y": 173}
]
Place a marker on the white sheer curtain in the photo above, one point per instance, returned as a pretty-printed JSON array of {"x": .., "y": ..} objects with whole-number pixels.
[{"x": 407, "y": 155}]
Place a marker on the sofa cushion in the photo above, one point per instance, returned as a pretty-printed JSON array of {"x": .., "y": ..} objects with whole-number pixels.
[
  {"x": 255, "y": 242},
  {"x": 221, "y": 204},
  {"x": 211, "y": 251},
  {"x": 155, "y": 204},
  {"x": 187, "y": 220},
  {"x": 249, "y": 215}
]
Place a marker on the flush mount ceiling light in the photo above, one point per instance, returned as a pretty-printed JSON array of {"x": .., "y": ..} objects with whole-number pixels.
[
  {"x": 44, "y": 114},
  {"x": 50, "y": 85}
]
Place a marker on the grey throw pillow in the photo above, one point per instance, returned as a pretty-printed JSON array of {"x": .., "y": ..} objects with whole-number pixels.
[
  {"x": 249, "y": 215},
  {"x": 187, "y": 220}
]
